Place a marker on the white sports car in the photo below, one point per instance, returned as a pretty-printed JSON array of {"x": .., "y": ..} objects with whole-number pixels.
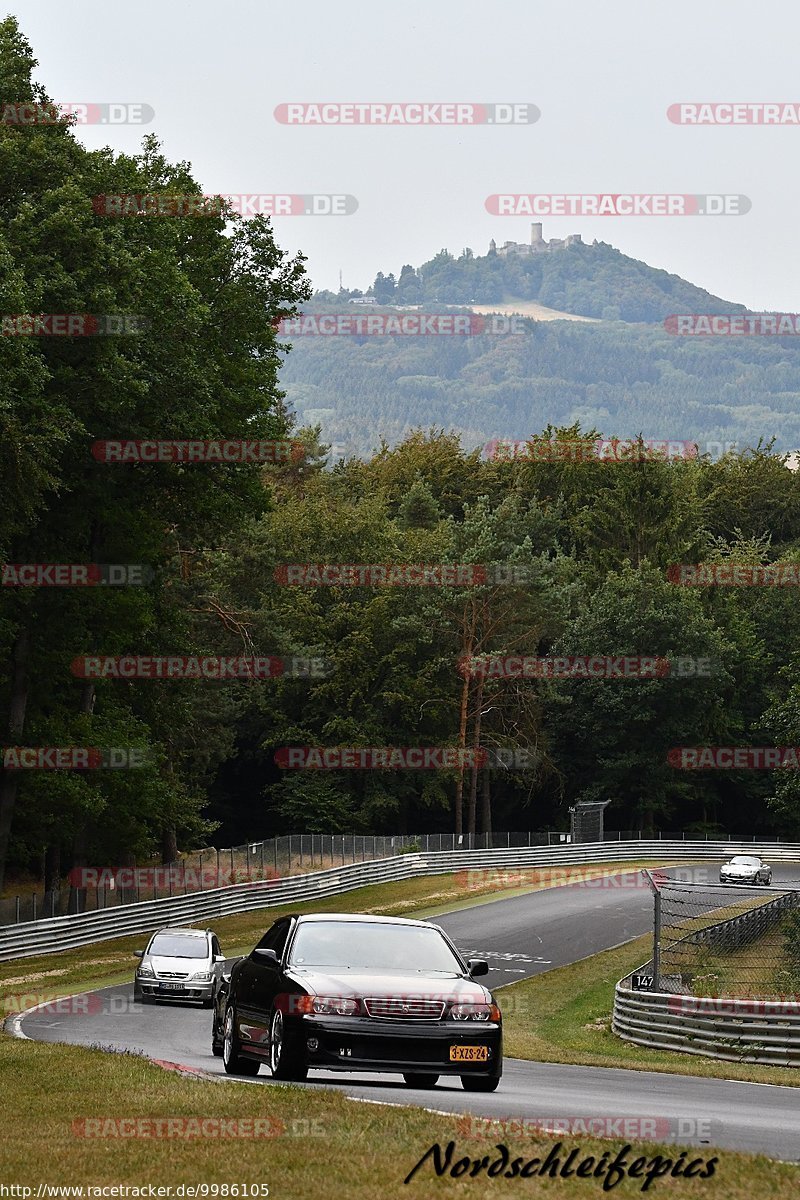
[{"x": 745, "y": 868}]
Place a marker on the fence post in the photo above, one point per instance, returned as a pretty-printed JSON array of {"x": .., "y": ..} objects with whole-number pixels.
[
  {"x": 16, "y": 920},
  {"x": 275, "y": 840},
  {"x": 34, "y": 905},
  {"x": 657, "y": 941}
]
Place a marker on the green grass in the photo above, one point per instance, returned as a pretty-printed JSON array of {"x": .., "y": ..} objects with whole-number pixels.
[
  {"x": 564, "y": 1016},
  {"x": 324, "y": 1146}
]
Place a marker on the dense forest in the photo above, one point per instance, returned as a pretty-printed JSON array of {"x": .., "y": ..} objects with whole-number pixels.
[
  {"x": 625, "y": 379},
  {"x": 591, "y": 546},
  {"x": 623, "y": 371}
]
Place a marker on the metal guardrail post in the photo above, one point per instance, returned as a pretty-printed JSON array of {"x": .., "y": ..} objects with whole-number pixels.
[{"x": 657, "y": 941}]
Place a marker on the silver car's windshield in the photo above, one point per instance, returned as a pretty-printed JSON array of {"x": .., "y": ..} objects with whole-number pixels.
[
  {"x": 744, "y": 860},
  {"x": 176, "y": 945},
  {"x": 357, "y": 944}
]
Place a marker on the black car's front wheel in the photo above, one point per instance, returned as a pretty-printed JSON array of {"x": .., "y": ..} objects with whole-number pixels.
[
  {"x": 216, "y": 1037},
  {"x": 233, "y": 1062},
  {"x": 480, "y": 1083},
  {"x": 285, "y": 1060},
  {"x": 417, "y": 1079}
]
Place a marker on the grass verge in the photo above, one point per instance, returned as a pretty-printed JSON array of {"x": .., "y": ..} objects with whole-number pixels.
[
  {"x": 323, "y": 1146},
  {"x": 564, "y": 1016}
]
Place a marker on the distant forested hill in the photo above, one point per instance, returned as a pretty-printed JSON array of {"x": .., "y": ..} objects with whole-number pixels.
[
  {"x": 624, "y": 375},
  {"x": 589, "y": 280},
  {"x": 623, "y": 379}
]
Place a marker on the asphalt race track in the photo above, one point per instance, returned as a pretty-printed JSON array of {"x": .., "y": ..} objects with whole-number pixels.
[{"x": 520, "y": 936}]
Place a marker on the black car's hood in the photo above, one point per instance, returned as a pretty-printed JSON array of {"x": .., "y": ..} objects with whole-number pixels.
[{"x": 327, "y": 981}]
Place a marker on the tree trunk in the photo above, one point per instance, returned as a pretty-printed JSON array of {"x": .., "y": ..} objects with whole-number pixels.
[
  {"x": 77, "y": 895},
  {"x": 52, "y": 878},
  {"x": 52, "y": 867},
  {"x": 18, "y": 704},
  {"x": 486, "y": 803},
  {"x": 476, "y": 741},
  {"x": 462, "y": 744},
  {"x": 169, "y": 845}
]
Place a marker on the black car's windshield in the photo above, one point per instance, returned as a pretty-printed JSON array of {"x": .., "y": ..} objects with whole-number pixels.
[
  {"x": 361, "y": 944},
  {"x": 176, "y": 945}
]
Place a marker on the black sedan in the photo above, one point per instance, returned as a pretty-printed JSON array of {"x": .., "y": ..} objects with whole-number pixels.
[{"x": 351, "y": 992}]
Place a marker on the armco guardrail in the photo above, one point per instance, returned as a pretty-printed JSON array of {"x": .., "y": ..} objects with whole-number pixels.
[
  {"x": 752, "y": 1030},
  {"x": 740, "y": 931},
  {"x": 65, "y": 933},
  {"x": 760, "y": 1031}
]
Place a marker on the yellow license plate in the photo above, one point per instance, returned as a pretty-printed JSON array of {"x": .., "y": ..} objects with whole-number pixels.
[{"x": 469, "y": 1054}]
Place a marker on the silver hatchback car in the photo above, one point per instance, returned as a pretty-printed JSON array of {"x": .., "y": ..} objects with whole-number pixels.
[{"x": 179, "y": 964}]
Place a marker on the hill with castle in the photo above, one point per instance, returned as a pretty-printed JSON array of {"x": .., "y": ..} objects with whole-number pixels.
[
  {"x": 568, "y": 274},
  {"x": 623, "y": 373}
]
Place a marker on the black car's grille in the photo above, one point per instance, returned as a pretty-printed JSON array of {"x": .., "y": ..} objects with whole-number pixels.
[{"x": 401, "y": 1009}]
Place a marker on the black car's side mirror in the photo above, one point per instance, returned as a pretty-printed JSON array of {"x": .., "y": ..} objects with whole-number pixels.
[
  {"x": 266, "y": 955},
  {"x": 138, "y": 954},
  {"x": 477, "y": 966}
]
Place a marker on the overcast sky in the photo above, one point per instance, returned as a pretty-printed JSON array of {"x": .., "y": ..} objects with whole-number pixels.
[{"x": 602, "y": 74}]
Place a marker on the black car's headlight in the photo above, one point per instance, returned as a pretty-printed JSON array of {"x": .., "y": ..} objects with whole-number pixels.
[
  {"x": 474, "y": 1012},
  {"x": 321, "y": 1006}
]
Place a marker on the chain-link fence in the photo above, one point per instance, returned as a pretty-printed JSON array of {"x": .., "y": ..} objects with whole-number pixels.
[
  {"x": 98, "y": 887},
  {"x": 723, "y": 939},
  {"x": 92, "y": 888}
]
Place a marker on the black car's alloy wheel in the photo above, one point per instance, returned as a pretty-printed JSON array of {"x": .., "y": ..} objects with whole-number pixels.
[
  {"x": 480, "y": 1083},
  {"x": 233, "y": 1062},
  {"x": 418, "y": 1079},
  {"x": 285, "y": 1062},
  {"x": 216, "y": 1040}
]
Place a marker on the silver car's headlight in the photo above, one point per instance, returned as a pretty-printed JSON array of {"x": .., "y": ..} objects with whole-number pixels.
[
  {"x": 474, "y": 1012},
  {"x": 201, "y": 977},
  {"x": 146, "y": 970}
]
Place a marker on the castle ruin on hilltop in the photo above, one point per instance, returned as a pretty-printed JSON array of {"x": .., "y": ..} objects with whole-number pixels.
[{"x": 537, "y": 245}]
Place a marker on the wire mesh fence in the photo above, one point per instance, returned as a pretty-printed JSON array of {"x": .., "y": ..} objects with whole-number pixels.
[
  {"x": 99, "y": 887},
  {"x": 723, "y": 939},
  {"x": 92, "y": 888}
]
